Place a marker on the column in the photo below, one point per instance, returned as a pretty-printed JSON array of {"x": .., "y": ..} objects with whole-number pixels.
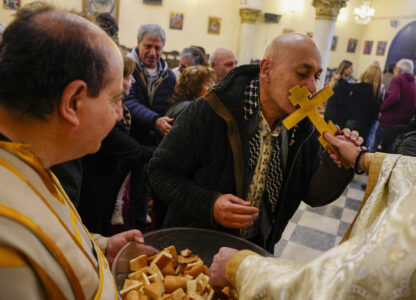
[
  {"x": 326, "y": 17},
  {"x": 248, "y": 16}
]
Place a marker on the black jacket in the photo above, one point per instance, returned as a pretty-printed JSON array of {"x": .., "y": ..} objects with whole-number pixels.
[{"x": 195, "y": 163}]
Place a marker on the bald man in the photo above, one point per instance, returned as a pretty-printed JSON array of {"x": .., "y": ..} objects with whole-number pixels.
[
  {"x": 222, "y": 61},
  {"x": 61, "y": 85},
  {"x": 229, "y": 164}
]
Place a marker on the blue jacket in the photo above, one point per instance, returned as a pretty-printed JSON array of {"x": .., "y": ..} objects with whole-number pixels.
[{"x": 143, "y": 111}]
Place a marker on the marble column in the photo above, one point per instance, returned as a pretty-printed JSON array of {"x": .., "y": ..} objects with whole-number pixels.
[
  {"x": 326, "y": 16},
  {"x": 247, "y": 31}
]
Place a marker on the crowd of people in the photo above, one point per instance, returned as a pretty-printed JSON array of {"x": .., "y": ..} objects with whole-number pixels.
[{"x": 99, "y": 144}]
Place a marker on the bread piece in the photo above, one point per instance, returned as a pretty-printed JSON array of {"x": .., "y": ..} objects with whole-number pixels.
[
  {"x": 195, "y": 296},
  {"x": 179, "y": 269},
  {"x": 166, "y": 297},
  {"x": 136, "y": 286},
  {"x": 129, "y": 282},
  {"x": 188, "y": 259},
  {"x": 186, "y": 252},
  {"x": 206, "y": 270},
  {"x": 154, "y": 290},
  {"x": 132, "y": 295},
  {"x": 162, "y": 259},
  {"x": 190, "y": 287},
  {"x": 144, "y": 279},
  {"x": 172, "y": 251},
  {"x": 168, "y": 269},
  {"x": 201, "y": 283},
  {"x": 173, "y": 283},
  {"x": 178, "y": 294},
  {"x": 154, "y": 269},
  {"x": 138, "y": 263},
  {"x": 195, "y": 270},
  {"x": 155, "y": 277},
  {"x": 209, "y": 295},
  {"x": 138, "y": 274}
]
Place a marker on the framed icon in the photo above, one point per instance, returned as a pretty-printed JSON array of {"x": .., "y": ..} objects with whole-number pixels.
[
  {"x": 96, "y": 7},
  {"x": 381, "y": 47},
  {"x": 11, "y": 4},
  {"x": 176, "y": 20},
  {"x": 368, "y": 46},
  {"x": 214, "y": 25},
  {"x": 334, "y": 43},
  {"x": 352, "y": 45}
]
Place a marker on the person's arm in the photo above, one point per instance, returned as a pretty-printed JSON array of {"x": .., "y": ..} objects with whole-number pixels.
[{"x": 392, "y": 96}]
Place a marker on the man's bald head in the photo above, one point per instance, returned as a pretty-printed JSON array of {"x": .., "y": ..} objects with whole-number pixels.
[
  {"x": 43, "y": 50},
  {"x": 222, "y": 61},
  {"x": 286, "y": 43}
]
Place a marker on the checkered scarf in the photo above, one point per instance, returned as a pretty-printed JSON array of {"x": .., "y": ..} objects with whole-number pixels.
[{"x": 274, "y": 177}]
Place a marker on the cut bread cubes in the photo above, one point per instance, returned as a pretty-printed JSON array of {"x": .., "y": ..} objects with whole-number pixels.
[{"x": 168, "y": 276}]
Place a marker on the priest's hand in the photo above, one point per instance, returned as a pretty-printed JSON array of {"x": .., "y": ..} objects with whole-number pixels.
[
  {"x": 117, "y": 241},
  {"x": 233, "y": 212},
  {"x": 217, "y": 276},
  {"x": 348, "y": 148}
]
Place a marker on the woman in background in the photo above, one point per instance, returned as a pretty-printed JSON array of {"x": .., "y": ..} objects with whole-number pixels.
[
  {"x": 335, "y": 107},
  {"x": 364, "y": 101},
  {"x": 194, "y": 82}
]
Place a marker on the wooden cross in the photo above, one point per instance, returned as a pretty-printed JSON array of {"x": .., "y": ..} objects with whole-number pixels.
[{"x": 308, "y": 108}]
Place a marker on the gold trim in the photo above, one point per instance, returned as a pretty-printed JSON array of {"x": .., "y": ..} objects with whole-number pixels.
[
  {"x": 249, "y": 15},
  {"x": 10, "y": 257},
  {"x": 49, "y": 243},
  {"x": 84, "y": 8},
  {"x": 233, "y": 264},
  {"x": 19, "y": 175},
  {"x": 100, "y": 263},
  {"x": 328, "y": 9}
]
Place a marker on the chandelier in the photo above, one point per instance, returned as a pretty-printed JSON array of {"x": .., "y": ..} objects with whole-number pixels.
[{"x": 364, "y": 13}]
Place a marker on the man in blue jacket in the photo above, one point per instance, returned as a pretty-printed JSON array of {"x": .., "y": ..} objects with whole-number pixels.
[
  {"x": 229, "y": 164},
  {"x": 148, "y": 98}
]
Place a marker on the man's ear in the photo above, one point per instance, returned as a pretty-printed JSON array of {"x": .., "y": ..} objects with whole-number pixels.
[
  {"x": 265, "y": 67},
  {"x": 71, "y": 101}
]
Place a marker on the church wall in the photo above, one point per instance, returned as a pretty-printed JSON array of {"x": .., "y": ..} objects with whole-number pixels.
[{"x": 133, "y": 13}]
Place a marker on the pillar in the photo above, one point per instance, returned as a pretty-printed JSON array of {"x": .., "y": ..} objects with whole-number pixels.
[
  {"x": 247, "y": 31},
  {"x": 326, "y": 16}
]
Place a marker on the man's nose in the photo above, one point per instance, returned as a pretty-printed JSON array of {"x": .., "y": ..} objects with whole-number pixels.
[
  {"x": 311, "y": 85},
  {"x": 152, "y": 51}
]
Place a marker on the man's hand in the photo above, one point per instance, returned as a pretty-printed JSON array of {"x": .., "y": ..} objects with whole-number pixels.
[
  {"x": 217, "y": 276},
  {"x": 233, "y": 212},
  {"x": 117, "y": 241},
  {"x": 163, "y": 126}
]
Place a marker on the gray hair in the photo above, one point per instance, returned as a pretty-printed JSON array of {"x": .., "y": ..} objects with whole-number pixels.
[
  {"x": 2, "y": 28},
  {"x": 406, "y": 65},
  {"x": 194, "y": 53},
  {"x": 154, "y": 30}
]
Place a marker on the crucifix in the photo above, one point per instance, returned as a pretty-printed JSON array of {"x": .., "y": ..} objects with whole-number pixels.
[{"x": 308, "y": 108}]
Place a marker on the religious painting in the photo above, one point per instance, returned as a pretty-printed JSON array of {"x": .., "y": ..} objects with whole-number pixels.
[
  {"x": 176, "y": 20},
  {"x": 153, "y": 2},
  {"x": 381, "y": 47},
  {"x": 309, "y": 34},
  {"x": 288, "y": 30},
  {"x": 334, "y": 43},
  {"x": 368, "y": 46},
  {"x": 352, "y": 45},
  {"x": 96, "y": 7},
  {"x": 214, "y": 25},
  {"x": 11, "y": 4}
]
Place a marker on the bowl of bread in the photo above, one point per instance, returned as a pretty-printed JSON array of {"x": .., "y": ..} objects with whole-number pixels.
[{"x": 174, "y": 264}]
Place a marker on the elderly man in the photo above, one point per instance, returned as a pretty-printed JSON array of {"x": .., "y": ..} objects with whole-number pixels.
[
  {"x": 57, "y": 102},
  {"x": 229, "y": 164},
  {"x": 222, "y": 61},
  {"x": 148, "y": 99},
  {"x": 190, "y": 56},
  {"x": 400, "y": 101}
]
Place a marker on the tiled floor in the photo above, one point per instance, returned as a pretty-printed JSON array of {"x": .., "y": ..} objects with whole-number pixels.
[{"x": 312, "y": 231}]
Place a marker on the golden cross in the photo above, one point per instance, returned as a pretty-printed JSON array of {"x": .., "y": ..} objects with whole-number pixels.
[{"x": 308, "y": 108}]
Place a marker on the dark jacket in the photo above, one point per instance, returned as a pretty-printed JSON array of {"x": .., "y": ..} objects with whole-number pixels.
[
  {"x": 399, "y": 104},
  {"x": 195, "y": 163},
  {"x": 336, "y": 105},
  {"x": 145, "y": 112},
  {"x": 104, "y": 173}
]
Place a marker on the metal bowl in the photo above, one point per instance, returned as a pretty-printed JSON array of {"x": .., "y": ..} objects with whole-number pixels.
[{"x": 203, "y": 242}]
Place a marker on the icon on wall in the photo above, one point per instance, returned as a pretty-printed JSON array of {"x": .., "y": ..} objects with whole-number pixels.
[
  {"x": 96, "y": 7},
  {"x": 11, "y": 4},
  {"x": 214, "y": 25},
  {"x": 176, "y": 20},
  {"x": 381, "y": 47},
  {"x": 153, "y": 2},
  {"x": 334, "y": 43},
  {"x": 368, "y": 46},
  {"x": 352, "y": 45}
]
